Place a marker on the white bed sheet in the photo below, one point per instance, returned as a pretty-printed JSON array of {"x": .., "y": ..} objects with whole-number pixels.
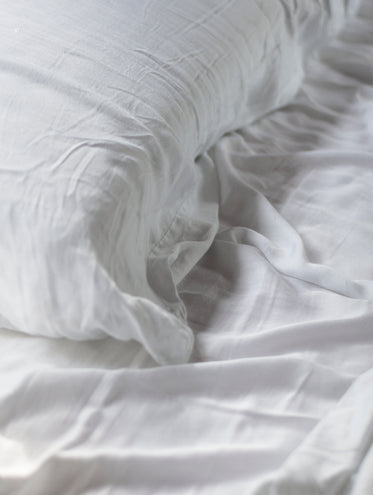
[{"x": 279, "y": 396}]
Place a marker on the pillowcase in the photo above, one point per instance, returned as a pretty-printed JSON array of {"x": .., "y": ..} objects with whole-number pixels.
[{"x": 104, "y": 107}]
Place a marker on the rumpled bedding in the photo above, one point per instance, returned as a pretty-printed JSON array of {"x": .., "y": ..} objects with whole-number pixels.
[
  {"x": 104, "y": 107},
  {"x": 278, "y": 397}
]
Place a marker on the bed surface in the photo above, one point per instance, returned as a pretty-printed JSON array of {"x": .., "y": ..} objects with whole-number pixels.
[{"x": 278, "y": 396}]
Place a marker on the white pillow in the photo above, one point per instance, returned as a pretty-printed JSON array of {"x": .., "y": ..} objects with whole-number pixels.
[{"x": 104, "y": 107}]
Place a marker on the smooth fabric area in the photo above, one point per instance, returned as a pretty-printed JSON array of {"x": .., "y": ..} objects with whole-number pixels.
[
  {"x": 104, "y": 107},
  {"x": 278, "y": 397}
]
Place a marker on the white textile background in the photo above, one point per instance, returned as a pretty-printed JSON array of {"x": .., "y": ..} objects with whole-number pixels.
[{"x": 279, "y": 397}]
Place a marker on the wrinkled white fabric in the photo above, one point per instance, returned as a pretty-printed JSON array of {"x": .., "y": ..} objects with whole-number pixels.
[
  {"x": 104, "y": 107},
  {"x": 278, "y": 399}
]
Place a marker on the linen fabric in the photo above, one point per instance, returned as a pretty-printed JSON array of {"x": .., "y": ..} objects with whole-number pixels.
[
  {"x": 278, "y": 397},
  {"x": 104, "y": 107}
]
